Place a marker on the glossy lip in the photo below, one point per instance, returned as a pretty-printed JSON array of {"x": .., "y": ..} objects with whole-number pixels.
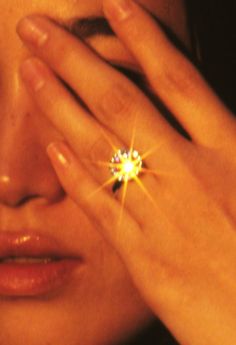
[{"x": 36, "y": 278}]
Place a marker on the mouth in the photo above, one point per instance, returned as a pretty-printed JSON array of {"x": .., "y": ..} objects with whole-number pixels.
[{"x": 33, "y": 265}]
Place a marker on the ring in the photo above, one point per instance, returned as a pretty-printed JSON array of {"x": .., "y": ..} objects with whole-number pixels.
[{"x": 125, "y": 165}]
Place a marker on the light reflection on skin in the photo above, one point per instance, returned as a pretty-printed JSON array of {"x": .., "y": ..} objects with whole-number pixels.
[
  {"x": 4, "y": 179},
  {"x": 22, "y": 239}
]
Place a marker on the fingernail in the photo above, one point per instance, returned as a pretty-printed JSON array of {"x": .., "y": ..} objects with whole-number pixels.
[
  {"x": 118, "y": 9},
  {"x": 60, "y": 154},
  {"x": 32, "y": 32},
  {"x": 32, "y": 74}
]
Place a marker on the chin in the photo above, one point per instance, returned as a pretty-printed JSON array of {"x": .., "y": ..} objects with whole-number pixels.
[{"x": 96, "y": 306}]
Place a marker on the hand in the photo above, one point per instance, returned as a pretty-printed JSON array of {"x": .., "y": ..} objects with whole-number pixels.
[{"x": 177, "y": 230}]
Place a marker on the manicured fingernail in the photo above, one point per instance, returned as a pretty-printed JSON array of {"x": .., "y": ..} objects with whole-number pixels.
[
  {"x": 60, "y": 154},
  {"x": 32, "y": 74},
  {"x": 32, "y": 32},
  {"x": 118, "y": 9}
]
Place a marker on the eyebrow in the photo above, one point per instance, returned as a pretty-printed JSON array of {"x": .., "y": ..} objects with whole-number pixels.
[{"x": 89, "y": 27}]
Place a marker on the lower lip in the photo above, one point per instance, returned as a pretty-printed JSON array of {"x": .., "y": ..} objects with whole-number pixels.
[{"x": 35, "y": 279}]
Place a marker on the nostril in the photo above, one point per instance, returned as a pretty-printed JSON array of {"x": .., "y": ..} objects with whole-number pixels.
[
  {"x": 24, "y": 200},
  {"x": 13, "y": 194},
  {"x": 16, "y": 191},
  {"x": 14, "y": 200}
]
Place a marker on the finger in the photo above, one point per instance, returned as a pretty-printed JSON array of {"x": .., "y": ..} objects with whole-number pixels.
[
  {"x": 110, "y": 96},
  {"x": 124, "y": 233},
  {"x": 172, "y": 76},
  {"x": 93, "y": 144}
]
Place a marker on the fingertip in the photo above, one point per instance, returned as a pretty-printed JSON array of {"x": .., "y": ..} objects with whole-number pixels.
[
  {"x": 60, "y": 154},
  {"x": 118, "y": 10}
]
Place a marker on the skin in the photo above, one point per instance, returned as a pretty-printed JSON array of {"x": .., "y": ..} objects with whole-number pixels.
[
  {"x": 182, "y": 260},
  {"x": 105, "y": 293}
]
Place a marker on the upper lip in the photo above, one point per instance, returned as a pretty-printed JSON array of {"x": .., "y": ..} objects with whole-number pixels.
[{"x": 28, "y": 244}]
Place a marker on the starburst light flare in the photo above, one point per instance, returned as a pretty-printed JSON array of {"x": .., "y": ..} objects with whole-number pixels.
[{"x": 125, "y": 165}]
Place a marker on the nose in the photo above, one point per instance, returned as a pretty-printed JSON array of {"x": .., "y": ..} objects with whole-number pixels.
[{"x": 25, "y": 169}]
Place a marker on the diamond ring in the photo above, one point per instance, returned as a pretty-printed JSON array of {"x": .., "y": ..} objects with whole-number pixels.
[{"x": 125, "y": 165}]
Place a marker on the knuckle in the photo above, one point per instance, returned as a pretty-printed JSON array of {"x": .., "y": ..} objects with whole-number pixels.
[
  {"x": 118, "y": 100},
  {"x": 101, "y": 150},
  {"x": 180, "y": 79}
]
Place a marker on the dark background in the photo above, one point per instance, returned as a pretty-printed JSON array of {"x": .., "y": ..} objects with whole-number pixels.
[{"x": 215, "y": 22}]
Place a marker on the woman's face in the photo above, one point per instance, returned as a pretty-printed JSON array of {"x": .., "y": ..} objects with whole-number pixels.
[{"x": 97, "y": 302}]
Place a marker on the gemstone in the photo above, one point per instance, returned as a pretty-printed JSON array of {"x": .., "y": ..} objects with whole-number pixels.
[{"x": 125, "y": 164}]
